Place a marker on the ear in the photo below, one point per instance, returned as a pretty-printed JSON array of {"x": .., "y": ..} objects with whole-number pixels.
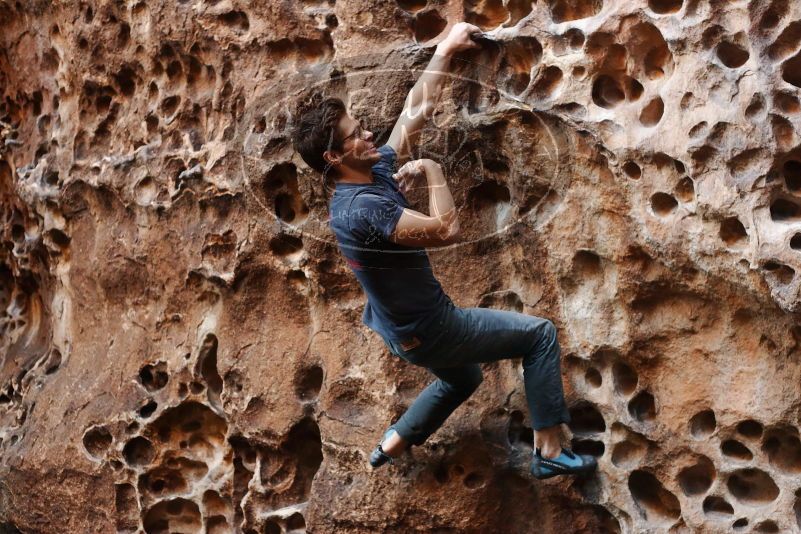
[{"x": 332, "y": 157}]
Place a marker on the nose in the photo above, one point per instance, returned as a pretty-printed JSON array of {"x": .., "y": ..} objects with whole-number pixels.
[{"x": 368, "y": 135}]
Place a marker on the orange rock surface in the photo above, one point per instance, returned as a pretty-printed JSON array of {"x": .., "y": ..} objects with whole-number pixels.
[{"x": 181, "y": 341}]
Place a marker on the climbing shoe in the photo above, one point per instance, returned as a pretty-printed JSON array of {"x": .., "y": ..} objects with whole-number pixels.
[
  {"x": 567, "y": 463},
  {"x": 378, "y": 457}
]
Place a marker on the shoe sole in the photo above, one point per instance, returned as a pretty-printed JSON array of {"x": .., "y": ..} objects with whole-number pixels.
[{"x": 540, "y": 476}]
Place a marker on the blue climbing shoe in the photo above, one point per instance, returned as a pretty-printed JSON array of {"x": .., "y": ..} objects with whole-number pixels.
[
  {"x": 567, "y": 463},
  {"x": 378, "y": 457}
]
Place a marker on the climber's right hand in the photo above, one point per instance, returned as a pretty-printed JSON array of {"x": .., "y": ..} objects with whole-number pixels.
[
  {"x": 411, "y": 175},
  {"x": 459, "y": 38}
]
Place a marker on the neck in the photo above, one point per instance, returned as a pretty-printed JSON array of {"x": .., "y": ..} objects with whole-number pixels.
[{"x": 355, "y": 176}]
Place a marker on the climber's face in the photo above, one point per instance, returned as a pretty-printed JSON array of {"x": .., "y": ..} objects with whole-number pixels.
[{"x": 356, "y": 143}]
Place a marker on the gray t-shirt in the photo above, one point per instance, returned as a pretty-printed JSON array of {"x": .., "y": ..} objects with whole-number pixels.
[{"x": 403, "y": 296}]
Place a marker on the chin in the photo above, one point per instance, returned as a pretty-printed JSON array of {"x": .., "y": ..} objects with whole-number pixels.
[{"x": 373, "y": 156}]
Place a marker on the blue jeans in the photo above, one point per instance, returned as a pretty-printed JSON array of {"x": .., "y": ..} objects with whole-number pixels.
[{"x": 461, "y": 338}]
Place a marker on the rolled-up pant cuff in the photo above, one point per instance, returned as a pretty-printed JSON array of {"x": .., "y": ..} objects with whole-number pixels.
[{"x": 552, "y": 418}]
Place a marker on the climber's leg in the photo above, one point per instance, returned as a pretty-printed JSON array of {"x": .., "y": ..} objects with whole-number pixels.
[
  {"x": 436, "y": 402},
  {"x": 477, "y": 335}
]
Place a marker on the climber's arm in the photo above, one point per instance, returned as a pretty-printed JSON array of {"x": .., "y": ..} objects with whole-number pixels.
[
  {"x": 441, "y": 226},
  {"x": 423, "y": 97}
]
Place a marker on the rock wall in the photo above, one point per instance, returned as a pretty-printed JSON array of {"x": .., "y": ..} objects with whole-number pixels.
[{"x": 182, "y": 348}]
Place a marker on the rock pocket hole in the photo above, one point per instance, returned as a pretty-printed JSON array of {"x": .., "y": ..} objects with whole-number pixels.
[
  {"x": 207, "y": 363},
  {"x": 586, "y": 264},
  {"x": 575, "y": 38},
  {"x": 629, "y": 452},
  {"x": 703, "y": 424},
  {"x": 755, "y": 107},
  {"x": 665, "y": 7},
  {"x": 792, "y": 175},
  {"x": 791, "y": 70},
  {"x": 780, "y": 272},
  {"x": 309, "y": 382},
  {"x": 607, "y": 92},
  {"x": 752, "y": 486},
  {"x": 154, "y": 376},
  {"x": 732, "y": 232},
  {"x": 521, "y": 53},
  {"x": 586, "y": 419},
  {"x": 285, "y": 207},
  {"x": 176, "y": 515},
  {"x": 734, "y": 449},
  {"x": 236, "y": 20},
  {"x": 634, "y": 89},
  {"x": 663, "y": 204},
  {"x": 97, "y": 440},
  {"x": 786, "y": 102},
  {"x": 588, "y": 446},
  {"x": 428, "y": 24},
  {"x": 642, "y": 407},
  {"x": 732, "y": 55},
  {"x": 488, "y": 194},
  {"x": 139, "y": 451},
  {"x": 632, "y": 170},
  {"x": 795, "y": 241},
  {"x": 766, "y": 526},
  {"x": 567, "y": 10},
  {"x": 148, "y": 409},
  {"x": 217, "y": 524},
  {"x": 652, "y": 112},
  {"x": 518, "y": 10},
  {"x": 412, "y": 6},
  {"x": 685, "y": 190},
  {"x": 169, "y": 105},
  {"x": 783, "y": 448},
  {"x": 285, "y": 245},
  {"x": 473, "y": 480},
  {"x": 717, "y": 507},
  {"x": 740, "y": 524},
  {"x": 593, "y": 377},
  {"x": 657, "y": 503},
  {"x": 750, "y": 428},
  {"x": 518, "y": 431},
  {"x": 295, "y": 522},
  {"x": 486, "y": 14},
  {"x": 698, "y": 130},
  {"x": 546, "y": 84},
  {"x": 624, "y": 378},
  {"x": 697, "y": 479}
]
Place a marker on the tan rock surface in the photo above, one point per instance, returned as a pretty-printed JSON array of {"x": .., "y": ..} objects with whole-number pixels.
[{"x": 182, "y": 348}]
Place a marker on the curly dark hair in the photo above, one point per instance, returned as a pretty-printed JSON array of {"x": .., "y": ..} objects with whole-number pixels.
[{"x": 315, "y": 127}]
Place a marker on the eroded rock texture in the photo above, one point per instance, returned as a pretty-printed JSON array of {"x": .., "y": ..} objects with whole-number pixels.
[{"x": 181, "y": 343}]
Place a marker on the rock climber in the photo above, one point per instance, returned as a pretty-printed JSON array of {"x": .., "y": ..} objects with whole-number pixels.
[{"x": 383, "y": 241}]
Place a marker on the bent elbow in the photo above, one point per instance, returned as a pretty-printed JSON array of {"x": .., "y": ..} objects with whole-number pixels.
[{"x": 452, "y": 234}]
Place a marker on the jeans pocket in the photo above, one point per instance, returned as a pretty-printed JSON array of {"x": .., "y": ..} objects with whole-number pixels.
[{"x": 407, "y": 354}]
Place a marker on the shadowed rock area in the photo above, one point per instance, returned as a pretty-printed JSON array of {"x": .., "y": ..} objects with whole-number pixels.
[{"x": 181, "y": 347}]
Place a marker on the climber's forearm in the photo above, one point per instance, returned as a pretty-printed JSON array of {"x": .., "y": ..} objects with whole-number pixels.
[
  {"x": 425, "y": 94},
  {"x": 422, "y": 99},
  {"x": 440, "y": 200}
]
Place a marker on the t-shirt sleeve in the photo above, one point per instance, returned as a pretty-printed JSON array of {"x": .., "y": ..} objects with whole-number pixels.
[
  {"x": 374, "y": 216},
  {"x": 387, "y": 165}
]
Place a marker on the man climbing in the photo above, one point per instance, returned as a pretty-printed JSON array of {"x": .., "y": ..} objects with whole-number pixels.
[{"x": 383, "y": 241}]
